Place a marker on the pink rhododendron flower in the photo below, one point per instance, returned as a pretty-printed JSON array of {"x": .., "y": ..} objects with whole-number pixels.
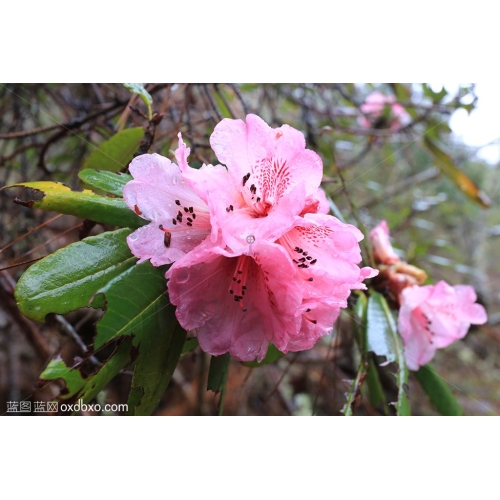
[
  {"x": 269, "y": 177},
  {"x": 256, "y": 259},
  {"x": 179, "y": 217},
  {"x": 374, "y": 107},
  {"x": 434, "y": 316},
  {"x": 382, "y": 248}
]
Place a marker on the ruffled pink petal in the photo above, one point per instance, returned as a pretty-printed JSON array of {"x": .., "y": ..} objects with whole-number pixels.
[
  {"x": 326, "y": 253},
  {"x": 316, "y": 204},
  {"x": 159, "y": 193},
  {"x": 156, "y": 186},
  {"x": 268, "y": 163},
  {"x": 317, "y": 319},
  {"x": 418, "y": 352},
  {"x": 236, "y": 320}
]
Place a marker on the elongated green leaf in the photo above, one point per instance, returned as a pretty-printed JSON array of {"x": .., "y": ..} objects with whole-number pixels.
[
  {"x": 272, "y": 355},
  {"x": 159, "y": 353},
  {"x": 107, "y": 182},
  {"x": 137, "y": 305},
  {"x": 115, "y": 153},
  {"x": 86, "y": 387},
  {"x": 383, "y": 339},
  {"x": 85, "y": 204},
  {"x": 67, "y": 279},
  {"x": 461, "y": 180},
  {"x": 136, "y": 302},
  {"x": 217, "y": 377},
  {"x": 375, "y": 389},
  {"x": 438, "y": 391}
]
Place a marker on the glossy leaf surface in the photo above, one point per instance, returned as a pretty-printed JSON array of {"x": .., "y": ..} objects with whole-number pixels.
[
  {"x": 85, "y": 204},
  {"x": 107, "y": 182},
  {"x": 68, "y": 279}
]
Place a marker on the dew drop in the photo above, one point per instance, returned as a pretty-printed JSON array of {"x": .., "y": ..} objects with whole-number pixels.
[
  {"x": 133, "y": 236},
  {"x": 250, "y": 239}
]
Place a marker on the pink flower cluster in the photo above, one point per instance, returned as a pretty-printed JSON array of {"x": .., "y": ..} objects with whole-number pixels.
[
  {"x": 374, "y": 109},
  {"x": 431, "y": 316},
  {"x": 255, "y": 257}
]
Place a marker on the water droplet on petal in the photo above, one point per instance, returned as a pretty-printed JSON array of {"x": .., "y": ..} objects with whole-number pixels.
[
  {"x": 250, "y": 239},
  {"x": 133, "y": 236}
]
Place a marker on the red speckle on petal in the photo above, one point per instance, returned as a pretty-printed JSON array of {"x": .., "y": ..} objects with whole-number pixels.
[{"x": 136, "y": 210}]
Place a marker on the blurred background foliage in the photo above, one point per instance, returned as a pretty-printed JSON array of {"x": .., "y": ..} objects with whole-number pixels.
[{"x": 439, "y": 199}]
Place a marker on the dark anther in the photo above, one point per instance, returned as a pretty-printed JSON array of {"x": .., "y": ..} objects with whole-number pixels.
[
  {"x": 310, "y": 279},
  {"x": 177, "y": 202},
  {"x": 174, "y": 222},
  {"x": 186, "y": 209},
  {"x": 194, "y": 215},
  {"x": 314, "y": 261},
  {"x": 189, "y": 224},
  {"x": 191, "y": 209}
]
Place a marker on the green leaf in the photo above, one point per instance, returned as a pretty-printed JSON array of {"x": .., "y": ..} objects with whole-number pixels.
[
  {"x": 272, "y": 355},
  {"x": 138, "y": 88},
  {"x": 438, "y": 391},
  {"x": 461, "y": 180},
  {"x": 383, "y": 339},
  {"x": 67, "y": 279},
  {"x": 360, "y": 321},
  {"x": 85, "y": 204},
  {"x": 375, "y": 389},
  {"x": 159, "y": 353},
  {"x": 138, "y": 306},
  {"x": 106, "y": 182},
  {"x": 217, "y": 377},
  {"x": 136, "y": 302},
  {"x": 115, "y": 154},
  {"x": 86, "y": 387}
]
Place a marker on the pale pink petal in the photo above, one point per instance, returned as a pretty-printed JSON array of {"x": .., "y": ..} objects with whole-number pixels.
[
  {"x": 418, "y": 352},
  {"x": 148, "y": 242},
  {"x": 180, "y": 218},
  {"x": 181, "y": 154},
  {"x": 317, "y": 319},
  {"x": 156, "y": 186}
]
